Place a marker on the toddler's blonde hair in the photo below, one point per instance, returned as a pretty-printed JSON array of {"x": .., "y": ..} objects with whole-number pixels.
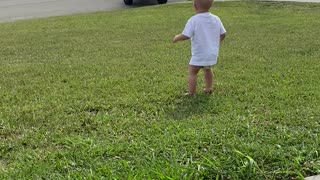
[{"x": 204, "y": 4}]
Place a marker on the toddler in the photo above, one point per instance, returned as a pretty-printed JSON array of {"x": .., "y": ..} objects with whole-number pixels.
[{"x": 206, "y": 31}]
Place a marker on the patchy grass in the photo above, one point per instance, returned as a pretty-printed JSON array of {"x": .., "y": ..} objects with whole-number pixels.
[{"x": 101, "y": 95}]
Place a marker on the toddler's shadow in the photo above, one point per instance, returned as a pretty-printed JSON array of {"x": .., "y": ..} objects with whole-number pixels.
[{"x": 185, "y": 107}]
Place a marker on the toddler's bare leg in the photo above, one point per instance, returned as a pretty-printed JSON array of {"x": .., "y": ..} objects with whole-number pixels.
[
  {"x": 208, "y": 76},
  {"x": 193, "y": 71}
]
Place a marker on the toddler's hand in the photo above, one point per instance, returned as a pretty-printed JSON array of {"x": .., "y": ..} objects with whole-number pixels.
[{"x": 175, "y": 39}]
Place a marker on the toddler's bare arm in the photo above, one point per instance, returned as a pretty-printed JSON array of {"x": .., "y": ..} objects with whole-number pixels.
[
  {"x": 180, "y": 37},
  {"x": 222, "y": 36}
]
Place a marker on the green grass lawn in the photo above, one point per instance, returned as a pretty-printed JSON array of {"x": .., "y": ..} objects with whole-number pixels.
[{"x": 101, "y": 95}]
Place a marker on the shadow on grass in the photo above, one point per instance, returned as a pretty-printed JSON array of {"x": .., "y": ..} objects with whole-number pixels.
[{"x": 186, "y": 107}]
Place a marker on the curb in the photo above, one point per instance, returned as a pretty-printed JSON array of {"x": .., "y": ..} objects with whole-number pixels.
[{"x": 317, "y": 177}]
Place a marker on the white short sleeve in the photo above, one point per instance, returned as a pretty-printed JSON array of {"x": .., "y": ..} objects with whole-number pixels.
[
  {"x": 222, "y": 29},
  {"x": 189, "y": 29}
]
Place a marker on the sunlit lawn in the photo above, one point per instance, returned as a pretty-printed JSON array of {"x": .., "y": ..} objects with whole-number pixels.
[{"x": 101, "y": 95}]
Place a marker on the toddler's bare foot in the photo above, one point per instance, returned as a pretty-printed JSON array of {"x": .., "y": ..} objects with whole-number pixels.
[
  {"x": 190, "y": 95},
  {"x": 208, "y": 91}
]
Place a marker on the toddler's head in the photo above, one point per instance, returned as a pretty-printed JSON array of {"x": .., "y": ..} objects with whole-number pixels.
[{"x": 202, "y": 6}]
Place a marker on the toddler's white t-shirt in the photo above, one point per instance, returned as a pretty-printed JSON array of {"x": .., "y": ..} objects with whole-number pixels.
[{"x": 204, "y": 29}]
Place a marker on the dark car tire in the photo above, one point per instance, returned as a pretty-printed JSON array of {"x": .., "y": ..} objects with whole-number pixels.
[
  {"x": 128, "y": 2},
  {"x": 162, "y": 1}
]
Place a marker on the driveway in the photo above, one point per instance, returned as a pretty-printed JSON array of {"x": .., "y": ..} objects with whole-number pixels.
[{"x": 12, "y": 10}]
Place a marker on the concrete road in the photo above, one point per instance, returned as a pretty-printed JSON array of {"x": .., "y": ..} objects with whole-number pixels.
[{"x": 12, "y": 10}]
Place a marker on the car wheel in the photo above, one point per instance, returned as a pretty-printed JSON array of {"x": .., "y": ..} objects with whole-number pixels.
[
  {"x": 128, "y": 2},
  {"x": 162, "y": 1}
]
